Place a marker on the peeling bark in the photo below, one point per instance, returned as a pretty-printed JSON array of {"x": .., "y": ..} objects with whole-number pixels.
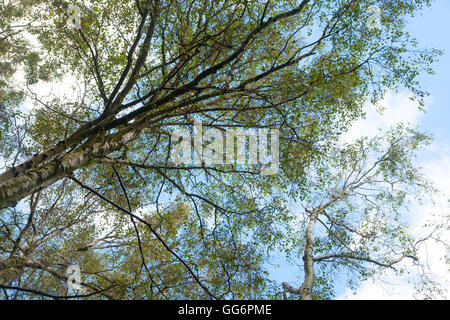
[
  {"x": 41, "y": 177},
  {"x": 305, "y": 291},
  {"x": 11, "y": 269},
  {"x": 308, "y": 260}
]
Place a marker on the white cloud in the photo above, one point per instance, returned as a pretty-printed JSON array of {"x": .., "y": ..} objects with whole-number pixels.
[
  {"x": 64, "y": 89},
  {"x": 395, "y": 108},
  {"x": 375, "y": 290},
  {"x": 398, "y": 108}
]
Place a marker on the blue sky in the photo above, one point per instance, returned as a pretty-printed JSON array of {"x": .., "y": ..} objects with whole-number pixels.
[{"x": 431, "y": 28}]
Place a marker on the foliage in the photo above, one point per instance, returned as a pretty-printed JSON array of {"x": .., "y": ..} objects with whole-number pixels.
[{"x": 96, "y": 186}]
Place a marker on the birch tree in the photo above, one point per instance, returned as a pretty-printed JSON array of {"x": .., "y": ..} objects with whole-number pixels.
[
  {"x": 356, "y": 218},
  {"x": 144, "y": 69}
]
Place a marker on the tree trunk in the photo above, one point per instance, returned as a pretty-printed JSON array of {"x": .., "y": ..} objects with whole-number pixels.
[
  {"x": 308, "y": 262},
  {"x": 43, "y": 176},
  {"x": 11, "y": 269}
]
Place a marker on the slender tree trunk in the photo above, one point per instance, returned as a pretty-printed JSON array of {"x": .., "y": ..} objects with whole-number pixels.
[
  {"x": 11, "y": 269},
  {"x": 308, "y": 262},
  {"x": 47, "y": 174}
]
